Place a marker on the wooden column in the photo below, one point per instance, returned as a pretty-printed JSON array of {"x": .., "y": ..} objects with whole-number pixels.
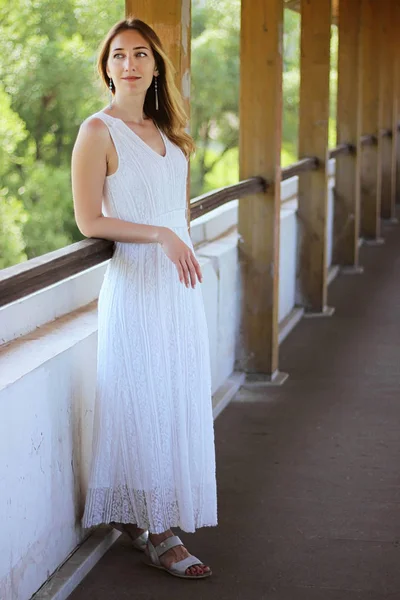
[
  {"x": 388, "y": 40},
  {"x": 313, "y": 141},
  {"x": 371, "y": 161},
  {"x": 260, "y": 154},
  {"x": 396, "y": 107},
  {"x": 348, "y": 166},
  {"x": 171, "y": 20}
]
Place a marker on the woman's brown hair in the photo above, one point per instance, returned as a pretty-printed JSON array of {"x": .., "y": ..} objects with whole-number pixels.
[{"x": 170, "y": 117}]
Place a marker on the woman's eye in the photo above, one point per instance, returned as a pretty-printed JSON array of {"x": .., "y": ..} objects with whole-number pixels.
[
  {"x": 117, "y": 55},
  {"x": 143, "y": 53}
]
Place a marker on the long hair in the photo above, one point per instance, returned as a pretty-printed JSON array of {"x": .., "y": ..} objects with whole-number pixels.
[{"x": 170, "y": 117}]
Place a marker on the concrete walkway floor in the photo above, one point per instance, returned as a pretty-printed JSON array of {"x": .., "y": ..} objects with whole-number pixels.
[{"x": 309, "y": 473}]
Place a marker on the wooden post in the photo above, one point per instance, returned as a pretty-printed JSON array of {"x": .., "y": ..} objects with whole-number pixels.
[
  {"x": 348, "y": 166},
  {"x": 260, "y": 154},
  {"x": 313, "y": 141},
  {"x": 396, "y": 115},
  {"x": 171, "y": 20},
  {"x": 396, "y": 107},
  {"x": 396, "y": 148},
  {"x": 371, "y": 161},
  {"x": 388, "y": 40}
]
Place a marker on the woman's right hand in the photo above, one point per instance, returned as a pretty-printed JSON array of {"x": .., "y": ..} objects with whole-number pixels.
[{"x": 181, "y": 255}]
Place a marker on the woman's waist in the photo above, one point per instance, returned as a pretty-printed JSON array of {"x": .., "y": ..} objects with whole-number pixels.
[{"x": 171, "y": 218}]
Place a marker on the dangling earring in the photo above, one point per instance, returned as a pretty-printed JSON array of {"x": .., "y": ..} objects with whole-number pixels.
[
  {"x": 111, "y": 94},
  {"x": 156, "y": 92}
]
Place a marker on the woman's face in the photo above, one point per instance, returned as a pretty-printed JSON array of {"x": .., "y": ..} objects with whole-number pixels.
[{"x": 131, "y": 64}]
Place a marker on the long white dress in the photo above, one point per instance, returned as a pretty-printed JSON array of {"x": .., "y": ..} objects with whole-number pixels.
[{"x": 153, "y": 459}]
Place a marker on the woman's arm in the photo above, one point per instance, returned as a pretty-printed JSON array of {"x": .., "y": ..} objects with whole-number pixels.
[{"x": 89, "y": 168}]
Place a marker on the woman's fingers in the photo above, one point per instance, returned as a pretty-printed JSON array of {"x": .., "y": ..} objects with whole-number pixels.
[
  {"x": 191, "y": 270},
  {"x": 180, "y": 272},
  {"x": 197, "y": 268},
  {"x": 185, "y": 272}
]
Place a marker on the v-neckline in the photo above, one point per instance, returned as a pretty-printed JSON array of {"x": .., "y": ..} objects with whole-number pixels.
[{"x": 141, "y": 139}]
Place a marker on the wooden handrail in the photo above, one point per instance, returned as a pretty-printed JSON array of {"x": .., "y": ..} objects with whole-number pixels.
[
  {"x": 369, "y": 140},
  {"x": 37, "y": 273},
  {"x": 342, "y": 149},
  {"x": 387, "y": 133},
  {"x": 211, "y": 200},
  {"x": 305, "y": 164}
]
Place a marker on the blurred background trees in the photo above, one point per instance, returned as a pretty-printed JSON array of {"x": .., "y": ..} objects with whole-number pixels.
[{"x": 49, "y": 85}]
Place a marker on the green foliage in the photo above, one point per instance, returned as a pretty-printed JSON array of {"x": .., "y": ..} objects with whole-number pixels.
[
  {"x": 12, "y": 213},
  {"x": 215, "y": 86},
  {"x": 12, "y": 219},
  {"x": 333, "y": 87},
  {"x": 55, "y": 226},
  {"x": 50, "y": 86}
]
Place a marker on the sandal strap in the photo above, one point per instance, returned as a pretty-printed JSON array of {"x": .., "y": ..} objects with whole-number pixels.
[
  {"x": 170, "y": 542},
  {"x": 181, "y": 566}
]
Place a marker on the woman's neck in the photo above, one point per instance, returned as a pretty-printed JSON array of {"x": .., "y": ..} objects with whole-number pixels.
[{"x": 128, "y": 110}]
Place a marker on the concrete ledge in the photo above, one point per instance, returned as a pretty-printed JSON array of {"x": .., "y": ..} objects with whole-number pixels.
[
  {"x": 289, "y": 323},
  {"x": 63, "y": 582},
  {"x": 40, "y": 308},
  {"x": 333, "y": 272},
  {"x": 27, "y": 353},
  {"x": 226, "y": 392}
]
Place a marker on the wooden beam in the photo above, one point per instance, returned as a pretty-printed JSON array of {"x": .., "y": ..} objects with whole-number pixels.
[
  {"x": 371, "y": 158},
  {"x": 260, "y": 154},
  {"x": 348, "y": 166},
  {"x": 171, "y": 20},
  {"x": 313, "y": 141},
  {"x": 388, "y": 32}
]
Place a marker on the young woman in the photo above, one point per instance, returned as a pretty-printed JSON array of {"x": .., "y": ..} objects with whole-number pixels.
[{"x": 153, "y": 464}]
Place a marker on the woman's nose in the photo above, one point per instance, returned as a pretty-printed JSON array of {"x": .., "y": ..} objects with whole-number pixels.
[{"x": 130, "y": 64}]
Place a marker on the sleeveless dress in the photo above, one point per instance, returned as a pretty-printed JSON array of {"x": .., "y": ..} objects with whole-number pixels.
[{"x": 153, "y": 458}]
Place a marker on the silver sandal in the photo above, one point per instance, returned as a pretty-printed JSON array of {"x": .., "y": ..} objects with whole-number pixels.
[
  {"x": 178, "y": 569},
  {"x": 139, "y": 542}
]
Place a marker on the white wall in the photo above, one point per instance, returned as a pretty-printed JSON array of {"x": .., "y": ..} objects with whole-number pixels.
[{"x": 47, "y": 382}]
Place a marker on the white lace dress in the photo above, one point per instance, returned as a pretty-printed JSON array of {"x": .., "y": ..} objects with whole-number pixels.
[{"x": 153, "y": 459}]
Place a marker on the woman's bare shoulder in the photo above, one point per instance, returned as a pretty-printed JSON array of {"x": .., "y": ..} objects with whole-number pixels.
[{"x": 94, "y": 128}]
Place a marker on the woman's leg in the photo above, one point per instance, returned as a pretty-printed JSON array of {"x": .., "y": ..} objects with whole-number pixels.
[
  {"x": 129, "y": 528},
  {"x": 175, "y": 554}
]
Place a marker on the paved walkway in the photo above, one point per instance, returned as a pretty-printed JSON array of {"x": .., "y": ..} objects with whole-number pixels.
[{"x": 309, "y": 473}]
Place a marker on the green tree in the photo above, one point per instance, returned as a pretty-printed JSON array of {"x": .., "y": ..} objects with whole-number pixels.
[
  {"x": 13, "y": 216},
  {"x": 215, "y": 86},
  {"x": 48, "y": 72}
]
